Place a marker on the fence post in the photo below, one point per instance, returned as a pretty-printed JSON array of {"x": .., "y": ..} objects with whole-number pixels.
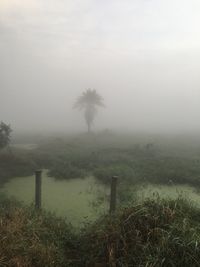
[
  {"x": 113, "y": 194},
  {"x": 38, "y": 187}
]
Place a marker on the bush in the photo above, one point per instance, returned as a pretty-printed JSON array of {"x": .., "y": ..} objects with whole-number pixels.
[
  {"x": 65, "y": 170},
  {"x": 13, "y": 165}
]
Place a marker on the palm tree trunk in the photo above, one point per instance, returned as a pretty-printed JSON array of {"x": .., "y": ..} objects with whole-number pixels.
[{"x": 89, "y": 127}]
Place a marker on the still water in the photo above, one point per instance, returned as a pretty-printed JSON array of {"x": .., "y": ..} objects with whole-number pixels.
[
  {"x": 82, "y": 200},
  {"x": 74, "y": 199}
]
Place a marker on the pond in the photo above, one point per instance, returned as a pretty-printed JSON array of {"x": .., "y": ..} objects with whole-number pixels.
[
  {"x": 83, "y": 200},
  {"x": 74, "y": 199}
]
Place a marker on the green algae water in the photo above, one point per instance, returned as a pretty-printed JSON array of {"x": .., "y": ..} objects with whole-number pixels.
[
  {"x": 83, "y": 200},
  {"x": 73, "y": 199}
]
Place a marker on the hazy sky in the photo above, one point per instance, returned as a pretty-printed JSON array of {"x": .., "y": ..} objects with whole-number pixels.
[{"x": 142, "y": 56}]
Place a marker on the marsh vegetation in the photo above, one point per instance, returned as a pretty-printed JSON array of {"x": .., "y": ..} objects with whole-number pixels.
[
  {"x": 78, "y": 170},
  {"x": 158, "y": 201}
]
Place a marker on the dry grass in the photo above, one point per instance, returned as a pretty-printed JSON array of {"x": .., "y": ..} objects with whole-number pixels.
[{"x": 31, "y": 239}]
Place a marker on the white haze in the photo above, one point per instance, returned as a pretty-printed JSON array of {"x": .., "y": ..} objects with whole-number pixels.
[{"x": 142, "y": 56}]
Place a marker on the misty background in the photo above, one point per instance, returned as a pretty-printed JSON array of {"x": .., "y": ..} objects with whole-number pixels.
[{"x": 142, "y": 56}]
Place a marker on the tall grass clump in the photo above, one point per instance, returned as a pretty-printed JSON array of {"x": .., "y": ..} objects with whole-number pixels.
[
  {"x": 33, "y": 239},
  {"x": 155, "y": 233}
]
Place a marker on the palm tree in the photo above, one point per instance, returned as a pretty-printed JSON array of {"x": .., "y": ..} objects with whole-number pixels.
[{"x": 89, "y": 101}]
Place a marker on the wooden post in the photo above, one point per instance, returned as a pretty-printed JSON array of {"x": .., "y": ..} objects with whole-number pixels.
[
  {"x": 113, "y": 194},
  {"x": 38, "y": 186}
]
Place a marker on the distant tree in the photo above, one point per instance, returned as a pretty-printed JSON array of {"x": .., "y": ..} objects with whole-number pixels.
[
  {"x": 5, "y": 132},
  {"x": 89, "y": 101}
]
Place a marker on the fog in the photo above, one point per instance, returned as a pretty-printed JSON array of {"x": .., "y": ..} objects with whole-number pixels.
[{"x": 142, "y": 56}]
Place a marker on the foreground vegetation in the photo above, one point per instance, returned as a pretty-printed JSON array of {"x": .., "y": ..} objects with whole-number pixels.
[
  {"x": 154, "y": 233},
  {"x": 30, "y": 238}
]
